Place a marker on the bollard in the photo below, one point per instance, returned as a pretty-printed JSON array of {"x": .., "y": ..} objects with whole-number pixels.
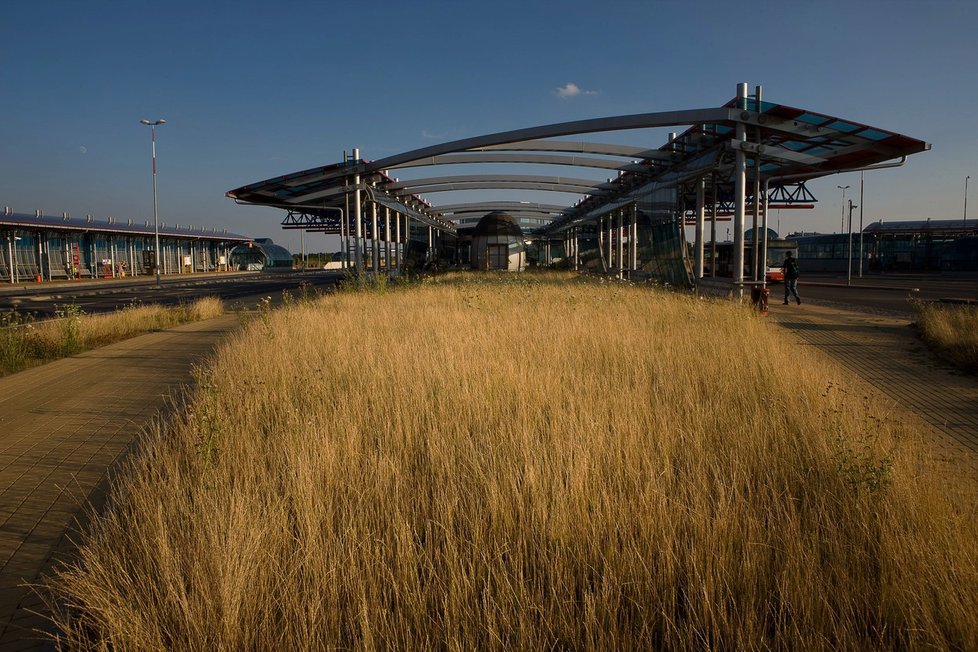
[{"x": 759, "y": 297}]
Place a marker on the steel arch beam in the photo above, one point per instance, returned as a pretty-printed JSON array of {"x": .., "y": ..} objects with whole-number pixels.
[
  {"x": 501, "y": 206},
  {"x": 616, "y": 123},
  {"x": 502, "y": 185},
  {"x": 504, "y": 178},
  {"x": 579, "y": 147},
  {"x": 533, "y": 159}
]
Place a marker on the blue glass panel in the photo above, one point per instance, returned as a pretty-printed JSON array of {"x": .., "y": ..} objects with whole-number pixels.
[
  {"x": 872, "y": 134},
  {"x": 795, "y": 145},
  {"x": 811, "y": 119},
  {"x": 839, "y": 125},
  {"x": 819, "y": 150}
]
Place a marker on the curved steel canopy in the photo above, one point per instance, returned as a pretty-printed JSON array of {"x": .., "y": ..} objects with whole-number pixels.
[{"x": 784, "y": 141}]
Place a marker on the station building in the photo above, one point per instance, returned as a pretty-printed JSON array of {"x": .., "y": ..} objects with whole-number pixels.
[
  {"x": 622, "y": 212},
  {"x": 39, "y": 247},
  {"x": 260, "y": 254},
  {"x": 497, "y": 244},
  {"x": 897, "y": 246}
]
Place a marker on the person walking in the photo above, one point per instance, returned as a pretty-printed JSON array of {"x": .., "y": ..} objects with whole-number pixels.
[{"x": 790, "y": 270}]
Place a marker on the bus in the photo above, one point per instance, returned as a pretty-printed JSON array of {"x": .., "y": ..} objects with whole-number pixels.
[{"x": 777, "y": 248}]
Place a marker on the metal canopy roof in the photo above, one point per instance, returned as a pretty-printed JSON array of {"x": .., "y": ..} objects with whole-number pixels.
[
  {"x": 782, "y": 141},
  {"x": 110, "y": 226}
]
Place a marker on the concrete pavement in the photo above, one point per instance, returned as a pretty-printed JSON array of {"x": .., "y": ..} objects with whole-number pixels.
[
  {"x": 885, "y": 352},
  {"x": 62, "y": 426}
]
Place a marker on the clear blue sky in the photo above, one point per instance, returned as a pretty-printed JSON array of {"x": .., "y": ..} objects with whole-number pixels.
[{"x": 252, "y": 90}]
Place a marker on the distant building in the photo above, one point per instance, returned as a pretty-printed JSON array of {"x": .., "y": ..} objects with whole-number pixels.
[
  {"x": 39, "y": 247},
  {"x": 260, "y": 254},
  {"x": 497, "y": 243},
  {"x": 900, "y": 246}
]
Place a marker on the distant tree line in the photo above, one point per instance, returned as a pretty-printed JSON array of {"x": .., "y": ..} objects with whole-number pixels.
[{"x": 316, "y": 260}]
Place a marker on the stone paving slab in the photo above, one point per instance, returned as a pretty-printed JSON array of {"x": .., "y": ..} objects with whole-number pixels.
[
  {"x": 886, "y": 353},
  {"x": 62, "y": 426}
]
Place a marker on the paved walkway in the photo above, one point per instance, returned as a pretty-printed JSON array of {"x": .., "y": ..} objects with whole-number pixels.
[
  {"x": 62, "y": 426},
  {"x": 885, "y": 352}
]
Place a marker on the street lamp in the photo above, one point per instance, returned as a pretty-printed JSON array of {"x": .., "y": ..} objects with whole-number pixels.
[
  {"x": 156, "y": 221},
  {"x": 966, "y": 199},
  {"x": 843, "y": 189}
]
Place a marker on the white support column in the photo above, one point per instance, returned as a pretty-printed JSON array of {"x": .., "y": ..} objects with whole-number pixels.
[
  {"x": 700, "y": 223},
  {"x": 431, "y": 244},
  {"x": 620, "y": 256},
  {"x": 374, "y": 242},
  {"x": 387, "y": 239},
  {"x": 397, "y": 241},
  {"x": 47, "y": 252},
  {"x": 10, "y": 255},
  {"x": 634, "y": 238},
  {"x": 601, "y": 240},
  {"x": 358, "y": 255},
  {"x": 713, "y": 228},
  {"x": 740, "y": 181},
  {"x": 577, "y": 251}
]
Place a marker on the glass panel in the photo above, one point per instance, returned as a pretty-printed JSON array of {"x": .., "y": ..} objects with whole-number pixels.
[
  {"x": 847, "y": 127},
  {"x": 873, "y": 134},
  {"x": 811, "y": 119}
]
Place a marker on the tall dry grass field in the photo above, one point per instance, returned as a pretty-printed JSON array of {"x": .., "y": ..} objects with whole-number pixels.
[
  {"x": 502, "y": 462},
  {"x": 26, "y": 343},
  {"x": 952, "y": 330}
]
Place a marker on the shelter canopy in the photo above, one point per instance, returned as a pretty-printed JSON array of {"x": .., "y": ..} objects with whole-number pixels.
[{"x": 784, "y": 145}]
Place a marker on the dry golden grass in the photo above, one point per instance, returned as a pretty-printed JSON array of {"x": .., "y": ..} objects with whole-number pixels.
[
  {"x": 952, "y": 330},
  {"x": 25, "y": 343},
  {"x": 527, "y": 462}
]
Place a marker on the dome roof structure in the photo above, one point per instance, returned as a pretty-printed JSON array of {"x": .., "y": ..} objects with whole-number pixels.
[{"x": 498, "y": 223}]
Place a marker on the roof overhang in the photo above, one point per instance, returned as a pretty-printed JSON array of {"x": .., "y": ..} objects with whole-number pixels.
[{"x": 783, "y": 142}]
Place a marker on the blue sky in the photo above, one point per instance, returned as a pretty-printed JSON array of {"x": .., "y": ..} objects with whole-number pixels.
[{"x": 252, "y": 90}]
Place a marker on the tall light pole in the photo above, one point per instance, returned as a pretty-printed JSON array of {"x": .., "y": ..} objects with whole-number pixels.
[
  {"x": 849, "y": 272},
  {"x": 843, "y": 189},
  {"x": 156, "y": 220},
  {"x": 966, "y": 199}
]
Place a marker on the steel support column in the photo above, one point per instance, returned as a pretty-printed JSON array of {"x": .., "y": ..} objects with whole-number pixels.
[
  {"x": 713, "y": 229},
  {"x": 700, "y": 222},
  {"x": 621, "y": 243},
  {"x": 374, "y": 242},
  {"x": 577, "y": 251},
  {"x": 387, "y": 239},
  {"x": 358, "y": 255},
  {"x": 740, "y": 181}
]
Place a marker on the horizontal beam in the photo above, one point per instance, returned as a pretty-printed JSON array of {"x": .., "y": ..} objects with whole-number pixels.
[
  {"x": 593, "y": 125},
  {"x": 465, "y": 178},
  {"x": 532, "y": 159},
  {"x": 502, "y": 185}
]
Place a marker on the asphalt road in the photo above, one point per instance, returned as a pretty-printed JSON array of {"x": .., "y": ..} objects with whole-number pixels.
[
  {"x": 43, "y": 300},
  {"x": 890, "y": 294}
]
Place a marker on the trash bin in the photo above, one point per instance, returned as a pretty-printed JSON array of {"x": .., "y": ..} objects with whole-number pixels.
[{"x": 759, "y": 297}]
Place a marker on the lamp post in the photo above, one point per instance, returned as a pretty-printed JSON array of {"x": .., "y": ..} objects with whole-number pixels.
[
  {"x": 849, "y": 271},
  {"x": 843, "y": 189},
  {"x": 966, "y": 199},
  {"x": 156, "y": 221}
]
